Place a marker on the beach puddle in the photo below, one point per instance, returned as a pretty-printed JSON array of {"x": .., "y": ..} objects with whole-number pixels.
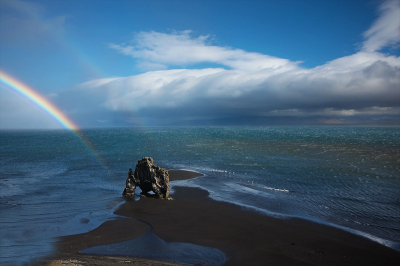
[{"x": 152, "y": 247}]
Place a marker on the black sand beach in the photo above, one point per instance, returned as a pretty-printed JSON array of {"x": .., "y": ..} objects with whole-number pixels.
[{"x": 244, "y": 236}]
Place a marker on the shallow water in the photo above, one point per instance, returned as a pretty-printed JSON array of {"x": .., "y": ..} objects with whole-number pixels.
[
  {"x": 151, "y": 246},
  {"x": 52, "y": 185}
]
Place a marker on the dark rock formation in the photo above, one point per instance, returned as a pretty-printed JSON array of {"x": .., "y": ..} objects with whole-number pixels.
[
  {"x": 130, "y": 184},
  {"x": 148, "y": 177}
]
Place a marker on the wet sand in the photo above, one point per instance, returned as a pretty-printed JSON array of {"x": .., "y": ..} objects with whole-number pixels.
[{"x": 244, "y": 236}]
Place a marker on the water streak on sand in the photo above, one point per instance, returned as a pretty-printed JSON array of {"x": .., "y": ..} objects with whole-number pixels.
[{"x": 152, "y": 247}]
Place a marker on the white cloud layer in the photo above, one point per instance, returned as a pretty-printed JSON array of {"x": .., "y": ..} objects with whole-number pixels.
[
  {"x": 386, "y": 29},
  {"x": 252, "y": 84},
  {"x": 181, "y": 49}
]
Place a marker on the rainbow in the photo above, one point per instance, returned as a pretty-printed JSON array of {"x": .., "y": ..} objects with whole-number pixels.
[
  {"x": 37, "y": 99},
  {"x": 29, "y": 93}
]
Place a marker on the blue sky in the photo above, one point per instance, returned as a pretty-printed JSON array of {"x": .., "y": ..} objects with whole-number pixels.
[{"x": 129, "y": 63}]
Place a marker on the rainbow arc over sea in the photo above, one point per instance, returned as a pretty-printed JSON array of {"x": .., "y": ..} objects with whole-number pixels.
[{"x": 39, "y": 100}]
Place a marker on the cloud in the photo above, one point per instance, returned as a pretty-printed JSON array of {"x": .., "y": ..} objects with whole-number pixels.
[
  {"x": 386, "y": 29},
  {"x": 248, "y": 84},
  {"x": 25, "y": 24},
  {"x": 372, "y": 111},
  {"x": 181, "y": 49}
]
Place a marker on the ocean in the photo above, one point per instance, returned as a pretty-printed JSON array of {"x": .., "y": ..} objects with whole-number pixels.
[{"x": 52, "y": 184}]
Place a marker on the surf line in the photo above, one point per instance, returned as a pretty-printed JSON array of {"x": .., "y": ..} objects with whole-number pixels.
[{"x": 36, "y": 98}]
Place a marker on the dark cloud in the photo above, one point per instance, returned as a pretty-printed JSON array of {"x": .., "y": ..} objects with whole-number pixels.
[{"x": 382, "y": 70}]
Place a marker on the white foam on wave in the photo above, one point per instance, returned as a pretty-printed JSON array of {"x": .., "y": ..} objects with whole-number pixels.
[
  {"x": 234, "y": 187},
  {"x": 275, "y": 189},
  {"x": 218, "y": 197},
  {"x": 8, "y": 189}
]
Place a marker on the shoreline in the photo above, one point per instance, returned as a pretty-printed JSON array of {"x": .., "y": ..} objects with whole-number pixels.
[{"x": 245, "y": 236}]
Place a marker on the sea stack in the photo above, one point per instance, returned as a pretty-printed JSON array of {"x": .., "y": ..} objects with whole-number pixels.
[{"x": 148, "y": 177}]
